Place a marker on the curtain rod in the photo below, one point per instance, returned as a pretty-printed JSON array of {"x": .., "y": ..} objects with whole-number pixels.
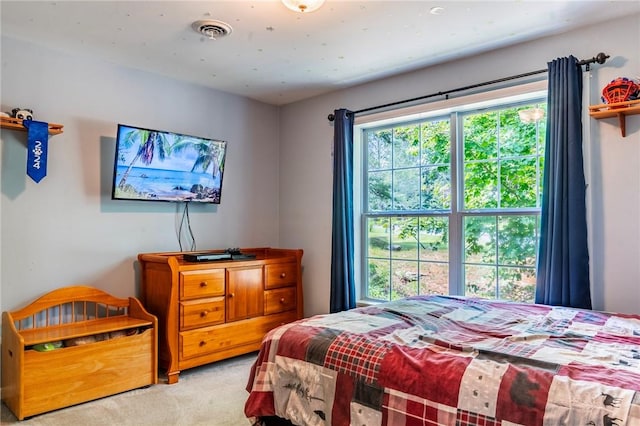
[{"x": 600, "y": 58}]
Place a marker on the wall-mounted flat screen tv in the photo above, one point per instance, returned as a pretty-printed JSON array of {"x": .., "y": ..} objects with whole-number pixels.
[{"x": 155, "y": 165}]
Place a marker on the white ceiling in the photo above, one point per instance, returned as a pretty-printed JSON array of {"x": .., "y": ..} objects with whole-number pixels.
[{"x": 279, "y": 56}]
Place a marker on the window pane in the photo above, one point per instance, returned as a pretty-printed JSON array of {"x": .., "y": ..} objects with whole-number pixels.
[
  {"x": 518, "y": 179},
  {"x": 379, "y": 150},
  {"x": 516, "y": 137},
  {"x": 407, "y": 256},
  {"x": 436, "y": 144},
  {"x": 406, "y": 147},
  {"x": 481, "y": 185},
  {"x": 436, "y": 187},
  {"x": 379, "y": 191},
  {"x": 542, "y": 133},
  {"x": 434, "y": 278},
  {"x": 517, "y": 284},
  {"x": 404, "y": 279},
  {"x": 480, "y": 281},
  {"x": 404, "y": 238},
  {"x": 540, "y": 180},
  {"x": 480, "y": 136},
  {"x": 480, "y": 239},
  {"x": 434, "y": 239},
  {"x": 379, "y": 279},
  {"x": 378, "y": 236},
  {"x": 518, "y": 240},
  {"x": 406, "y": 189}
]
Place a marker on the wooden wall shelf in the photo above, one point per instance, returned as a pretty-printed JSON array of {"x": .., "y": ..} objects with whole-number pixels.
[
  {"x": 618, "y": 109},
  {"x": 16, "y": 124}
]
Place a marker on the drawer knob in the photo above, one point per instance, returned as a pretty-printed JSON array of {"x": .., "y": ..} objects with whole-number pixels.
[
  {"x": 204, "y": 313},
  {"x": 202, "y": 343},
  {"x": 282, "y": 300},
  {"x": 283, "y": 275},
  {"x": 232, "y": 294},
  {"x": 203, "y": 284}
]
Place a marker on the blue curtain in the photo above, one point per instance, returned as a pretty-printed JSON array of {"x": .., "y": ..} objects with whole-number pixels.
[
  {"x": 343, "y": 294},
  {"x": 563, "y": 257}
]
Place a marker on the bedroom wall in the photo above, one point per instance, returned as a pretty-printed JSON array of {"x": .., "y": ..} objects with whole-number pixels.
[
  {"x": 66, "y": 230},
  {"x": 612, "y": 163}
]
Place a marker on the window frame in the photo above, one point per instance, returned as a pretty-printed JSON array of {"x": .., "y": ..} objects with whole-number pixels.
[{"x": 451, "y": 109}]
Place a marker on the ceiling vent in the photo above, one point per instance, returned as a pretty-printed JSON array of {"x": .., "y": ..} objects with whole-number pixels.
[{"x": 212, "y": 29}]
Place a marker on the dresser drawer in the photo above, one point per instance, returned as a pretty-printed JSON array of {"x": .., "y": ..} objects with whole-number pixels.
[
  {"x": 280, "y": 275},
  {"x": 201, "y": 312},
  {"x": 194, "y": 284},
  {"x": 207, "y": 340},
  {"x": 279, "y": 300}
]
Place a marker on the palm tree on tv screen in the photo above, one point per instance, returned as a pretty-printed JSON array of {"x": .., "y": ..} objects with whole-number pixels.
[
  {"x": 208, "y": 153},
  {"x": 150, "y": 142}
]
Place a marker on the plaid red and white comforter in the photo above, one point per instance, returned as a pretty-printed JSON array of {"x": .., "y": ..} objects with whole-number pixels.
[{"x": 435, "y": 360}]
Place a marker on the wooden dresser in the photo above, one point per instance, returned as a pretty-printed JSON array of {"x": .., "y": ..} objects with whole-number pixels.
[{"x": 208, "y": 311}]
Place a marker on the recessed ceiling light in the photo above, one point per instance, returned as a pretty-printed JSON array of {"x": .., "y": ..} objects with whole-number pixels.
[{"x": 436, "y": 10}]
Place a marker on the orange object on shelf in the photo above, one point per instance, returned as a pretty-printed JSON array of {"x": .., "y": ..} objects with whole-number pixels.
[{"x": 620, "y": 90}]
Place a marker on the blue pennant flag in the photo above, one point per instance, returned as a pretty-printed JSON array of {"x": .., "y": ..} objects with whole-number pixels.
[{"x": 37, "y": 149}]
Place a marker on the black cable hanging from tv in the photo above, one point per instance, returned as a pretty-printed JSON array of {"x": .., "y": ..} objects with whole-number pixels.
[
  {"x": 186, "y": 220},
  {"x": 600, "y": 58}
]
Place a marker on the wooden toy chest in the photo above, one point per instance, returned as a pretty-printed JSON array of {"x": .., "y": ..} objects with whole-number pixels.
[{"x": 73, "y": 345}]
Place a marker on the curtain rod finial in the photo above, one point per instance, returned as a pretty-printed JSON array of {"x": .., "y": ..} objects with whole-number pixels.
[
  {"x": 601, "y": 58},
  {"x": 331, "y": 117}
]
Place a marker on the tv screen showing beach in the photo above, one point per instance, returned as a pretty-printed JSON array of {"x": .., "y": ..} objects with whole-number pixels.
[{"x": 155, "y": 165}]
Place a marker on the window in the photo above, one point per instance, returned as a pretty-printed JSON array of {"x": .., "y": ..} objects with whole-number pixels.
[{"x": 451, "y": 203}]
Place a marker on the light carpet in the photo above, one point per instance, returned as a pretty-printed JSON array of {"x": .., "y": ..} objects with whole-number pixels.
[{"x": 212, "y": 395}]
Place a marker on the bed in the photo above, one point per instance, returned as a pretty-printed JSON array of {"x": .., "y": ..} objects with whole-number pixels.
[{"x": 444, "y": 360}]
